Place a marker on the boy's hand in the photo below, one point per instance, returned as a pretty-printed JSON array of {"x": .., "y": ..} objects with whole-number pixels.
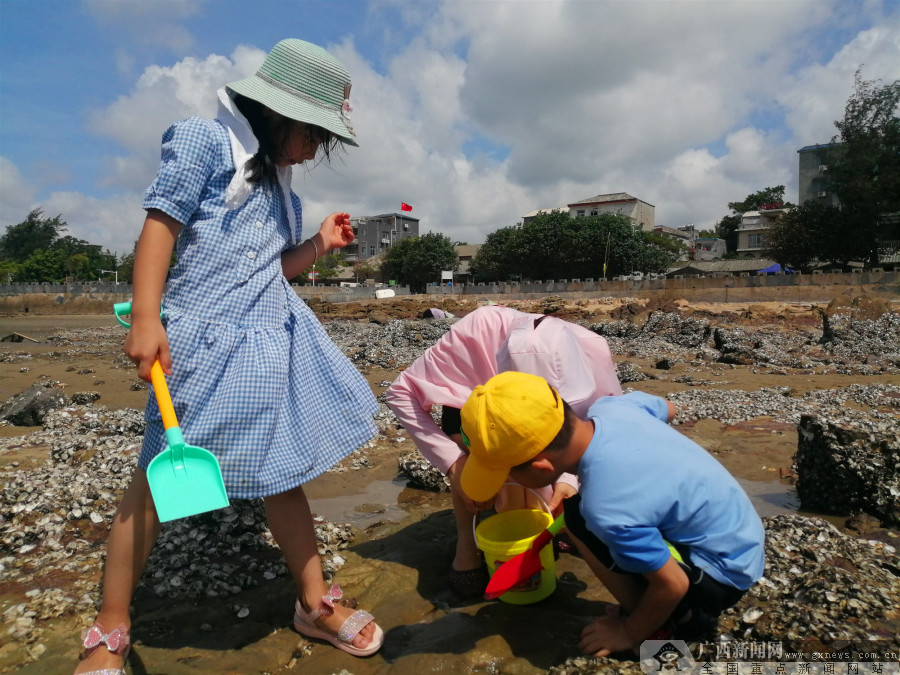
[{"x": 605, "y": 636}]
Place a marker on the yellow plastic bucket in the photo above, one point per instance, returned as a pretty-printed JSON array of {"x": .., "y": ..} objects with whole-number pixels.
[{"x": 505, "y": 535}]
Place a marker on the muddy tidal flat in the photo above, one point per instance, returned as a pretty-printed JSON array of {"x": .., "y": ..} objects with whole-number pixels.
[{"x": 801, "y": 403}]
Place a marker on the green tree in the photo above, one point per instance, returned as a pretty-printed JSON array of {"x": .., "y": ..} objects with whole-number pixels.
[
  {"x": 499, "y": 258},
  {"x": 864, "y": 164},
  {"x": 769, "y": 195},
  {"x": 727, "y": 227},
  {"x": 328, "y": 266},
  {"x": 44, "y": 265},
  {"x": 125, "y": 267},
  {"x": 555, "y": 246},
  {"x": 417, "y": 261},
  {"x": 791, "y": 240},
  {"x": 35, "y": 233},
  {"x": 77, "y": 265},
  {"x": 810, "y": 233},
  {"x": 365, "y": 270},
  {"x": 9, "y": 272},
  {"x": 659, "y": 252}
]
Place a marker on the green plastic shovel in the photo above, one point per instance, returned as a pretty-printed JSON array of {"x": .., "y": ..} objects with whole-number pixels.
[
  {"x": 184, "y": 480},
  {"x": 120, "y": 309}
]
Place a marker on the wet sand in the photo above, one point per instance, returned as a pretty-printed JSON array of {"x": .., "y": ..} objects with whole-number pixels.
[{"x": 398, "y": 564}]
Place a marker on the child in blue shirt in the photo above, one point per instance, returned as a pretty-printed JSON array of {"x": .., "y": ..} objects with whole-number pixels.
[{"x": 648, "y": 497}]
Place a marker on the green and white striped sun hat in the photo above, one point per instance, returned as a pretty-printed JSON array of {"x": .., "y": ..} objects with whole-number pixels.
[{"x": 305, "y": 83}]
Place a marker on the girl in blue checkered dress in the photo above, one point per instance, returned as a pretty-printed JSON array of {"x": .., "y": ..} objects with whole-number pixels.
[{"x": 254, "y": 377}]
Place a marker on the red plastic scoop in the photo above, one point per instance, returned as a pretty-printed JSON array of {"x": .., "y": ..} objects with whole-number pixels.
[{"x": 524, "y": 565}]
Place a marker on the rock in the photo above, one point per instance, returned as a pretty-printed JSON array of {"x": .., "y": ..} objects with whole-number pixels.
[
  {"x": 551, "y": 304},
  {"x": 30, "y": 407},
  {"x": 819, "y": 585},
  {"x": 849, "y": 465},
  {"x": 860, "y": 307},
  {"x": 628, "y": 372},
  {"x": 850, "y": 337},
  {"x": 85, "y": 397},
  {"x": 422, "y": 474}
]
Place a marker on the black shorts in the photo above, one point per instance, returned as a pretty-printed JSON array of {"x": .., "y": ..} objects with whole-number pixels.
[
  {"x": 704, "y": 592},
  {"x": 451, "y": 420}
]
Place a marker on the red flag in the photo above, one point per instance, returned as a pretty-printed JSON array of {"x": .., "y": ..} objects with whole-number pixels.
[{"x": 405, "y": 207}]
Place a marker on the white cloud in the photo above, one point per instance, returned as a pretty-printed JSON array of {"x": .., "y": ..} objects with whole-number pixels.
[
  {"x": 485, "y": 111},
  {"x": 16, "y": 195},
  {"x": 816, "y": 96},
  {"x": 162, "y": 96},
  {"x": 114, "y": 222}
]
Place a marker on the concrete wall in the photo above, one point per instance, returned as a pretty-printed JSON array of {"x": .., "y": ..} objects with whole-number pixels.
[
  {"x": 725, "y": 288},
  {"x": 819, "y": 288},
  {"x": 99, "y": 298}
]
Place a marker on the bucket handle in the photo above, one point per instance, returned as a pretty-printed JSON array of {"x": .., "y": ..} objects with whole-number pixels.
[{"x": 537, "y": 496}]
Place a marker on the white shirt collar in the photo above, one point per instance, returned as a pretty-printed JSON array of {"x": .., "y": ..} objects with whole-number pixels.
[{"x": 243, "y": 146}]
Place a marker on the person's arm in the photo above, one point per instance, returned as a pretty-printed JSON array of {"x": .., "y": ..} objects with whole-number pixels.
[
  {"x": 609, "y": 634},
  {"x": 146, "y": 341},
  {"x": 335, "y": 232},
  {"x": 564, "y": 487},
  {"x": 430, "y": 439},
  {"x": 672, "y": 411}
]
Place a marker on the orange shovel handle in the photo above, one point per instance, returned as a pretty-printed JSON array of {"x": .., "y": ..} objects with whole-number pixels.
[{"x": 163, "y": 398}]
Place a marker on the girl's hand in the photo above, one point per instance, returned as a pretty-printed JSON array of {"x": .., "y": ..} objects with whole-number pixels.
[
  {"x": 454, "y": 474},
  {"x": 145, "y": 343},
  {"x": 336, "y": 231},
  {"x": 561, "y": 491}
]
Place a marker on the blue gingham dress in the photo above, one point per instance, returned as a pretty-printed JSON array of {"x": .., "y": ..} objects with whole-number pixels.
[{"x": 256, "y": 380}]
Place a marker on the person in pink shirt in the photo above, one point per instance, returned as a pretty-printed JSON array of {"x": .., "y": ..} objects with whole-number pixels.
[{"x": 490, "y": 340}]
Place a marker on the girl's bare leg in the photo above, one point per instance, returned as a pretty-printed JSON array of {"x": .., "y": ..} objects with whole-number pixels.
[
  {"x": 291, "y": 523},
  {"x": 467, "y": 555},
  {"x": 133, "y": 534}
]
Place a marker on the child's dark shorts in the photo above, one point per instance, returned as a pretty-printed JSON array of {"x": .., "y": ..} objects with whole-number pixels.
[
  {"x": 704, "y": 592},
  {"x": 451, "y": 420}
]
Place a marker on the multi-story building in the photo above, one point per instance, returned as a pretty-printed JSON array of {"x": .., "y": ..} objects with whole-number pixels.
[
  {"x": 708, "y": 248},
  {"x": 376, "y": 234},
  {"x": 752, "y": 230},
  {"x": 813, "y": 181},
  {"x": 641, "y": 214}
]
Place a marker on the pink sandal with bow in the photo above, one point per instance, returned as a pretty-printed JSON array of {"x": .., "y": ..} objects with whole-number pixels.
[
  {"x": 116, "y": 641},
  {"x": 304, "y": 624}
]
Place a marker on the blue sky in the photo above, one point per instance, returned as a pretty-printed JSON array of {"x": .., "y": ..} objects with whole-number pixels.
[{"x": 475, "y": 112}]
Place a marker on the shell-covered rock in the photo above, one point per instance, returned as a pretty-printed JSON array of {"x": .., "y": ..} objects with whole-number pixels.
[{"x": 849, "y": 465}]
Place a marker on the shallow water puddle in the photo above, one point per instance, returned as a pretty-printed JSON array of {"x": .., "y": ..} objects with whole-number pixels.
[
  {"x": 377, "y": 504},
  {"x": 771, "y": 498}
]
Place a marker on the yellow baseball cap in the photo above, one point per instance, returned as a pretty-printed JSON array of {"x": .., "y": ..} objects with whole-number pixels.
[{"x": 506, "y": 422}]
